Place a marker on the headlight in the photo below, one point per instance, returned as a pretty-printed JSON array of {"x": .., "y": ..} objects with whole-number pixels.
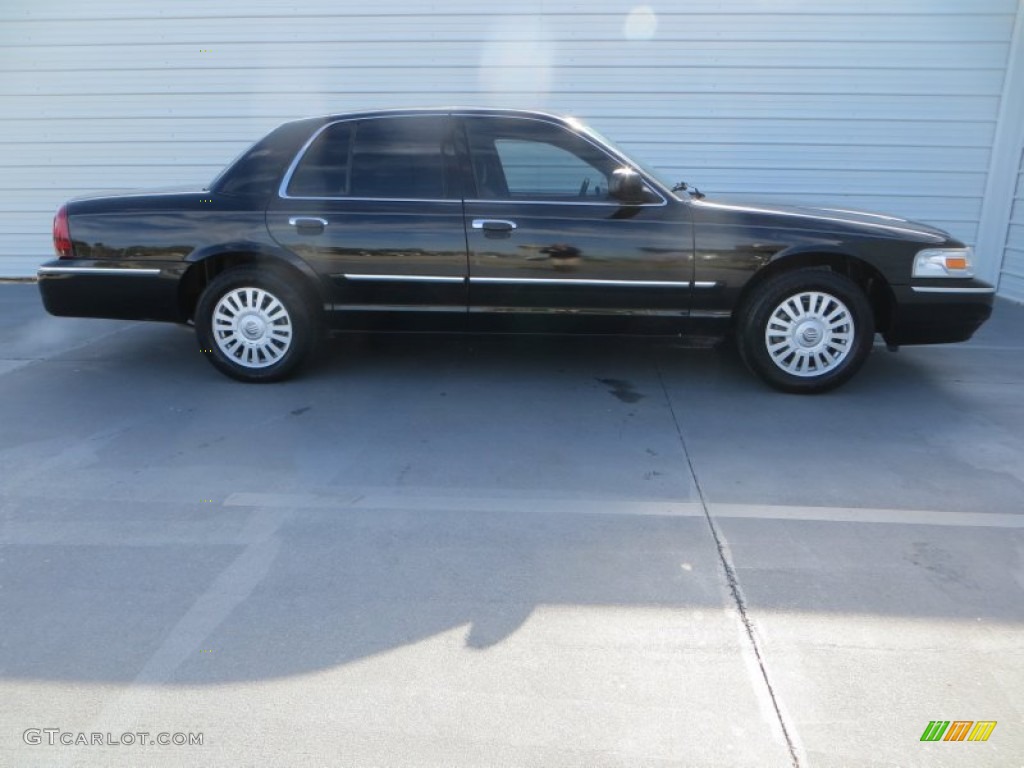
[{"x": 944, "y": 262}]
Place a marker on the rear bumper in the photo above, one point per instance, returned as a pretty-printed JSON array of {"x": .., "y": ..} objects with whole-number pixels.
[
  {"x": 938, "y": 314},
  {"x": 122, "y": 291}
]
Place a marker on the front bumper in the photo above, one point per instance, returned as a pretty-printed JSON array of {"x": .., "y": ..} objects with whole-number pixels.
[
  {"x": 937, "y": 313},
  {"x": 121, "y": 290}
]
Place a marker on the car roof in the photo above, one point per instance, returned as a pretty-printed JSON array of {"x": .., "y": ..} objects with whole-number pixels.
[{"x": 485, "y": 111}]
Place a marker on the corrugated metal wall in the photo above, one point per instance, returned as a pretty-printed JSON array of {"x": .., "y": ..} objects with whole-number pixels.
[
  {"x": 887, "y": 105},
  {"x": 1012, "y": 279}
]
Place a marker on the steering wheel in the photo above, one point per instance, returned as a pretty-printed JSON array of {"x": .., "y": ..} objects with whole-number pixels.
[{"x": 584, "y": 187}]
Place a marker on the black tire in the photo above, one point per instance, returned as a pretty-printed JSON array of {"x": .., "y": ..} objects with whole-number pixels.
[
  {"x": 821, "y": 332},
  {"x": 264, "y": 327}
]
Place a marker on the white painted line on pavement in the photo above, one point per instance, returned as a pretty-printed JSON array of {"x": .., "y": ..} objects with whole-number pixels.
[
  {"x": 868, "y": 515},
  {"x": 524, "y": 502},
  {"x": 427, "y": 503}
]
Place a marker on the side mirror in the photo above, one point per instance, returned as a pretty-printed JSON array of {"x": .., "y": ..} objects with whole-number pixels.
[{"x": 627, "y": 186}]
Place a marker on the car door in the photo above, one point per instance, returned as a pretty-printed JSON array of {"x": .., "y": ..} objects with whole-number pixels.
[
  {"x": 545, "y": 238},
  {"x": 374, "y": 205}
]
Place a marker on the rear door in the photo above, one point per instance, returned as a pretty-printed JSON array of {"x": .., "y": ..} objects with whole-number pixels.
[
  {"x": 374, "y": 204},
  {"x": 546, "y": 239}
]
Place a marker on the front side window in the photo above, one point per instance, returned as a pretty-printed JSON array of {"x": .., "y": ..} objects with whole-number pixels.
[
  {"x": 517, "y": 159},
  {"x": 391, "y": 158}
]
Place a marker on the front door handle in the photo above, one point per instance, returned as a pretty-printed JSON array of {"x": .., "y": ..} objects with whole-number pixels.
[
  {"x": 308, "y": 225},
  {"x": 494, "y": 225}
]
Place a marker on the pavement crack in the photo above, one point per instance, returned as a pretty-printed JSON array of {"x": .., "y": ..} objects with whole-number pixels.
[{"x": 732, "y": 578}]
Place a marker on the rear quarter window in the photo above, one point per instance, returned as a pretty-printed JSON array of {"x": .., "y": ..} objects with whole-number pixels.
[
  {"x": 259, "y": 170},
  {"x": 324, "y": 170}
]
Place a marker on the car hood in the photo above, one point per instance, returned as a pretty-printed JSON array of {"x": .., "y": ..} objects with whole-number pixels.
[{"x": 837, "y": 218}]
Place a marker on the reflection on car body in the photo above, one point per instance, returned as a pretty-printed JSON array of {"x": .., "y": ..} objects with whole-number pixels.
[{"x": 507, "y": 220}]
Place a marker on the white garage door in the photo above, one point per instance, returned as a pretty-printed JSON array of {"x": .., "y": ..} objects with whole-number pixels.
[
  {"x": 881, "y": 104},
  {"x": 1012, "y": 280}
]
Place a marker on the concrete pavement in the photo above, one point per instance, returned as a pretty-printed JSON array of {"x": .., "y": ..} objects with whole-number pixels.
[{"x": 498, "y": 551}]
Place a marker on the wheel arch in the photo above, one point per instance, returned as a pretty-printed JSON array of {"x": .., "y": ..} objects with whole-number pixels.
[
  {"x": 206, "y": 264},
  {"x": 867, "y": 277}
]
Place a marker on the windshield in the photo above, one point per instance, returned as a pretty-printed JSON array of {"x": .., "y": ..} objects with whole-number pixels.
[{"x": 586, "y": 130}]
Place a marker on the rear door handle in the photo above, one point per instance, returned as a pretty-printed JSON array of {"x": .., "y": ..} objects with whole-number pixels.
[
  {"x": 494, "y": 225},
  {"x": 308, "y": 225}
]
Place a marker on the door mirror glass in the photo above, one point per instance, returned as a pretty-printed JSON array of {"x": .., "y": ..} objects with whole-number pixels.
[{"x": 627, "y": 186}]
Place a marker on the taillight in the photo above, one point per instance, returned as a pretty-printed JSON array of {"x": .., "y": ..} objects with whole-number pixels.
[{"x": 62, "y": 235}]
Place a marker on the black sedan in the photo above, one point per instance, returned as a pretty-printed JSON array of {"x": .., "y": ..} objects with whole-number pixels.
[{"x": 514, "y": 221}]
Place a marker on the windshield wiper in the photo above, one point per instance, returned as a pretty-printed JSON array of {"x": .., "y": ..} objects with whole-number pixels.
[{"x": 682, "y": 186}]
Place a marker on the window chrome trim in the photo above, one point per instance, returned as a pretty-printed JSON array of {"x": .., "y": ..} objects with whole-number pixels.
[
  {"x": 282, "y": 190},
  {"x": 703, "y": 284},
  {"x": 404, "y": 278},
  {"x": 579, "y": 281},
  {"x": 120, "y": 271},
  {"x": 940, "y": 289}
]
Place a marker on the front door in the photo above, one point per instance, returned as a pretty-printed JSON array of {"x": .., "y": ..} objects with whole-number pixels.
[
  {"x": 547, "y": 240},
  {"x": 375, "y": 205}
]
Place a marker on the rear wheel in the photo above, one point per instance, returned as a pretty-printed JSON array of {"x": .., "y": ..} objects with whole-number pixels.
[
  {"x": 806, "y": 331},
  {"x": 253, "y": 325}
]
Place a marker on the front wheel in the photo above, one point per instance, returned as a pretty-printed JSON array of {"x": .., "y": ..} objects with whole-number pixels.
[
  {"x": 806, "y": 331},
  {"x": 253, "y": 325}
]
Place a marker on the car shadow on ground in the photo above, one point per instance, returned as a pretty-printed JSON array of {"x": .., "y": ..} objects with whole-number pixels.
[{"x": 515, "y": 418}]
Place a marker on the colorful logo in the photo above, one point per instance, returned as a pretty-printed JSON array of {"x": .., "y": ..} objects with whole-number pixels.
[{"x": 958, "y": 730}]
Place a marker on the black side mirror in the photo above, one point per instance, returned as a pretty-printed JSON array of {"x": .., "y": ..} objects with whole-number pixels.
[{"x": 627, "y": 186}]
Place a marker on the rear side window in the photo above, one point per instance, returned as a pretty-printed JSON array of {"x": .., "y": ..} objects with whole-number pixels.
[
  {"x": 391, "y": 158},
  {"x": 324, "y": 169},
  {"x": 399, "y": 157}
]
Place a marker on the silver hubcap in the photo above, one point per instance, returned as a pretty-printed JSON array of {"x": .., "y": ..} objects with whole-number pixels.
[
  {"x": 252, "y": 327},
  {"x": 809, "y": 334}
]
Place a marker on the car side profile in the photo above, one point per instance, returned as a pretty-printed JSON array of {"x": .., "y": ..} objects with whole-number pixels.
[{"x": 499, "y": 220}]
